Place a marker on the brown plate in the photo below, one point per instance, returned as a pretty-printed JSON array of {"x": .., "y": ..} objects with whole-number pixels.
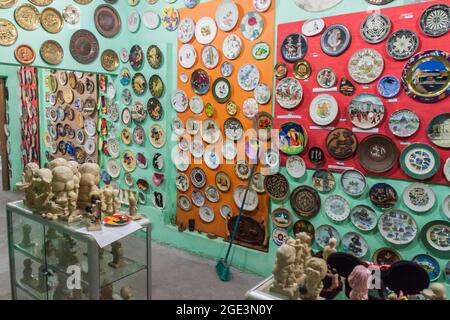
[
  {"x": 386, "y": 256},
  {"x": 25, "y": 54},
  {"x": 84, "y": 46},
  {"x": 110, "y": 60},
  {"x": 305, "y": 201},
  {"x": 277, "y": 186},
  {"x": 107, "y": 21},
  {"x": 377, "y": 153},
  {"x": 341, "y": 143},
  {"x": 249, "y": 230},
  {"x": 51, "y": 52}
]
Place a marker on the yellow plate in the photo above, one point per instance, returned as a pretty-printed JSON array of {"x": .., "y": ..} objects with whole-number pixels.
[
  {"x": 5, "y": 4},
  {"x": 51, "y": 20},
  {"x": 27, "y": 16},
  {"x": 8, "y": 33},
  {"x": 110, "y": 60},
  {"x": 52, "y": 52}
]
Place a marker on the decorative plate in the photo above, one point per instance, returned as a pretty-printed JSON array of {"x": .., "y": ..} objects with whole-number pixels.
[
  {"x": 210, "y": 131},
  {"x": 170, "y": 18},
  {"x": 192, "y": 126},
  {"x": 141, "y": 160},
  {"x": 353, "y": 182},
  {"x": 364, "y": 218},
  {"x": 375, "y": 28},
  {"x": 157, "y": 136},
  {"x": 205, "y": 30},
  {"x": 277, "y": 186},
  {"x": 280, "y": 70},
  {"x": 90, "y": 127},
  {"x": 117, "y": 220},
  {"x": 200, "y": 82},
  {"x": 129, "y": 161},
  {"x": 323, "y": 181},
  {"x": 388, "y": 87},
  {"x": 71, "y": 14},
  {"x": 263, "y": 124},
  {"x": 404, "y": 123},
  {"x": 250, "y": 108},
  {"x": 251, "y": 202},
  {"x": 126, "y": 116},
  {"x": 323, "y": 235},
  {"x": 289, "y": 93},
  {"x": 232, "y": 47},
  {"x": 154, "y": 56},
  {"x": 316, "y": 6},
  {"x": 354, "y": 244},
  {"x": 150, "y": 19},
  {"x": 258, "y": 182},
  {"x": 206, "y": 213},
  {"x": 138, "y": 112},
  {"x": 252, "y": 25},
  {"x": 212, "y": 194},
  {"x": 295, "y": 167},
  {"x": 182, "y": 182},
  {"x": 158, "y": 162},
  {"x": 365, "y": 66},
  {"x": 221, "y": 90},
  {"x": 227, "y": 15},
  {"x": 180, "y": 101},
  {"x": 128, "y": 178},
  {"x": 196, "y": 104},
  {"x": 436, "y": 236},
  {"x": 366, "y": 111},
  {"x": 126, "y": 97},
  {"x": 242, "y": 169},
  {"x": 136, "y": 57},
  {"x": 223, "y": 182},
  {"x": 262, "y": 93},
  {"x": 154, "y": 109},
  {"x": 182, "y": 161},
  {"x": 402, "y": 44},
  {"x": 156, "y": 86},
  {"x": 419, "y": 197},
  {"x": 248, "y": 77},
  {"x": 126, "y": 136},
  {"x": 211, "y": 158},
  {"x": 429, "y": 264},
  {"x": 420, "y": 161},
  {"x": 279, "y": 236},
  {"x": 261, "y": 50},
  {"x": 84, "y": 47},
  {"x": 178, "y": 126},
  {"x": 226, "y": 211},
  {"x": 435, "y": 20},
  {"x": 187, "y": 56},
  {"x": 262, "y": 5},
  {"x": 335, "y": 40},
  {"x": 229, "y": 150},
  {"x": 139, "y": 84},
  {"x": 326, "y": 78},
  {"x": 226, "y": 69},
  {"x": 304, "y": 226},
  {"x": 386, "y": 256},
  {"x": 323, "y": 109},
  {"x": 198, "y": 177},
  {"x": 437, "y": 130},
  {"x": 337, "y": 208},
  {"x": 294, "y": 47},
  {"x": 292, "y": 138},
  {"x": 233, "y": 129},
  {"x": 232, "y": 108},
  {"x": 184, "y": 203},
  {"x": 305, "y": 201},
  {"x": 210, "y": 57},
  {"x": 186, "y": 30},
  {"x": 377, "y": 153},
  {"x": 134, "y": 21},
  {"x": 142, "y": 184},
  {"x": 383, "y": 196},
  {"x": 197, "y": 149},
  {"x": 113, "y": 168},
  {"x": 302, "y": 70},
  {"x": 341, "y": 143},
  {"x": 139, "y": 135},
  {"x": 125, "y": 77},
  {"x": 107, "y": 21},
  {"x": 313, "y": 27},
  {"x": 281, "y": 218},
  {"x": 198, "y": 198}
]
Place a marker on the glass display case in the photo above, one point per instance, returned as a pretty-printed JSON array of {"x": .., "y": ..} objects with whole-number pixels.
[{"x": 50, "y": 260}]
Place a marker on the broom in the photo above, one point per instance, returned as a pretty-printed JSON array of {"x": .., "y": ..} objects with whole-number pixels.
[{"x": 222, "y": 266}]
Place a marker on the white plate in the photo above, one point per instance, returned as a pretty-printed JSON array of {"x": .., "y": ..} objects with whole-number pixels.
[
  {"x": 295, "y": 166},
  {"x": 211, "y": 158},
  {"x": 134, "y": 20},
  {"x": 205, "y": 30},
  {"x": 198, "y": 198},
  {"x": 250, "y": 108},
  {"x": 210, "y": 57},
  {"x": 187, "y": 56},
  {"x": 313, "y": 27},
  {"x": 419, "y": 197},
  {"x": 150, "y": 19},
  {"x": 225, "y": 211},
  {"x": 229, "y": 150},
  {"x": 90, "y": 127},
  {"x": 262, "y": 5},
  {"x": 446, "y": 206},
  {"x": 186, "y": 30},
  {"x": 124, "y": 55},
  {"x": 232, "y": 47},
  {"x": 184, "y": 203},
  {"x": 210, "y": 131},
  {"x": 197, "y": 148},
  {"x": 181, "y": 160},
  {"x": 337, "y": 208},
  {"x": 196, "y": 104},
  {"x": 323, "y": 109},
  {"x": 177, "y": 126},
  {"x": 180, "y": 101},
  {"x": 206, "y": 213},
  {"x": 251, "y": 202},
  {"x": 212, "y": 194},
  {"x": 89, "y": 146},
  {"x": 192, "y": 126},
  {"x": 289, "y": 93},
  {"x": 227, "y": 15},
  {"x": 182, "y": 182},
  {"x": 113, "y": 168},
  {"x": 262, "y": 93},
  {"x": 252, "y": 25},
  {"x": 248, "y": 77},
  {"x": 447, "y": 169}
]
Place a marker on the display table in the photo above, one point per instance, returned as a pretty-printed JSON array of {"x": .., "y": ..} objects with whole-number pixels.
[
  {"x": 262, "y": 292},
  {"x": 50, "y": 260}
]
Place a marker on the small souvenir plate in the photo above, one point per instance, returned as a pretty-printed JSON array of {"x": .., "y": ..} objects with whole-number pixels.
[
  {"x": 226, "y": 211},
  {"x": 251, "y": 202},
  {"x": 139, "y": 135},
  {"x": 242, "y": 169},
  {"x": 139, "y": 84},
  {"x": 154, "y": 56},
  {"x": 205, "y": 30},
  {"x": 281, "y": 218},
  {"x": 126, "y": 116},
  {"x": 210, "y": 57},
  {"x": 128, "y": 178},
  {"x": 377, "y": 153},
  {"x": 260, "y": 50},
  {"x": 248, "y": 77},
  {"x": 117, "y": 220},
  {"x": 294, "y": 47},
  {"x": 210, "y": 131},
  {"x": 262, "y": 93},
  {"x": 447, "y": 169},
  {"x": 292, "y": 138},
  {"x": 280, "y": 70},
  {"x": 335, "y": 40},
  {"x": 323, "y": 109},
  {"x": 223, "y": 181},
  {"x": 420, "y": 161},
  {"x": 402, "y": 44},
  {"x": 277, "y": 186},
  {"x": 221, "y": 90},
  {"x": 354, "y": 244},
  {"x": 141, "y": 160},
  {"x": 295, "y": 166},
  {"x": 252, "y": 25},
  {"x": 192, "y": 126},
  {"x": 200, "y": 82},
  {"x": 227, "y": 15},
  {"x": 258, "y": 182},
  {"x": 124, "y": 55},
  {"x": 383, "y": 196},
  {"x": 429, "y": 264},
  {"x": 134, "y": 21},
  {"x": 180, "y": 101},
  {"x": 262, "y": 5},
  {"x": 323, "y": 235},
  {"x": 419, "y": 197},
  {"x": 198, "y": 198},
  {"x": 404, "y": 123},
  {"x": 388, "y": 87},
  {"x": 313, "y": 27},
  {"x": 337, "y": 208},
  {"x": 138, "y": 112},
  {"x": 232, "y": 47},
  {"x": 434, "y": 21},
  {"x": 323, "y": 181},
  {"x": 233, "y": 129},
  {"x": 206, "y": 213},
  {"x": 142, "y": 198},
  {"x": 150, "y": 19},
  {"x": 365, "y": 65},
  {"x": 353, "y": 182},
  {"x": 113, "y": 168},
  {"x": 196, "y": 104},
  {"x": 250, "y": 108},
  {"x": 437, "y": 132},
  {"x": 89, "y": 146},
  {"x": 366, "y": 111},
  {"x": 198, "y": 177},
  {"x": 304, "y": 226},
  {"x": 136, "y": 57},
  {"x": 212, "y": 194},
  {"x": 289, "y": 93},
  {"x": 232, "y": 108},
  {"x": 129, "y": 161},
  {"x": 302, "y": 70},
  {"x": 158, "y": 200},
  {"x": 279, "y": 236},
  {"x": 211, "y": 158},
  {"x": 386, "y": 256},
  {"x": 142, "y": 185},
  {"x": 126, "y": 97},
  {"x": 90, "y": 127},
  {"x": 187, "y": 56},
  {"x": 182, "y": 182},
  {"x": 157, "y": 136},
  {"x": 154, "y": 109},
  {"x": 197, "y": 148},
  {"x": 170, "y": 18},
  {"x": 186, "y": 29},
  {"x": 156, "y": 86},
  {"x": 226, "y": 69},
  {"x": 397, "y": 227},
  {"x": 305, "y": 201},
  {"x": 375, "y": 28},
  {"x": 263, "y": 124},
  {"x": 184, "y": 203},
  {"x": 436, "y": 236},
  {"x": 229, "y": 150},
  {"x": 364, "y": 218}
]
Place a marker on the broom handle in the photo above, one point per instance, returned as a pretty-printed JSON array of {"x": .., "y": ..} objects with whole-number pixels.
[{"x": 241, "y": 210}]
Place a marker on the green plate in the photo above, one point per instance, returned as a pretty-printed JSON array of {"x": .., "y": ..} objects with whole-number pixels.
[
  {"x": 435, "y": 236},
  {"x": 420, "y": 161},
  {"x": 221, "y": 90}
]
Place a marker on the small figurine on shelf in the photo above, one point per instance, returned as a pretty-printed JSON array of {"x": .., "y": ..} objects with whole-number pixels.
[
  {"x": 26, "y": 236},
  {"x": 52, "y": 234},
  {"x": 133, "y": 207},
  {"x": 61, "y": 291},
  {"x": 36, "y": 184},
  {"x": 111, "y": 202},
  {"x": 27, "y": 273},
  {"x": 117, "y": 253},
  {"x": 311, "y": 283},
  {"x": 283, "y": 271},
  {"x": 126, "y": 293},
  {"x": 66, "y": 253},
  {"x": 49, "y": 249},
  {"x": 106, "y": 291},
  {"x": 436, "y": 291},
  {"x": 359, "y": 283},
  {"x": 95, "y": 216},
  {"x": 330, "y": 248}
]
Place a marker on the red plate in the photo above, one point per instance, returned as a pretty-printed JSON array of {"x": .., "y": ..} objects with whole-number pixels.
[{"x": 117, "y": 220}]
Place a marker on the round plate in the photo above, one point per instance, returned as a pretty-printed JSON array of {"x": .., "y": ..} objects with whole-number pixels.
[
  {"x": 258, "y": 182},
  {"x": 377, "y": 153},
  {"x": 323, "y": 109},
  {"x": 192, "y": 126},
  {"x": 206, "y": 214},
  {"x": 205, "y": 30},
  {"x": 335, "y": 40},
  {"x": 226, "y": 211},
  {"x": 404, "y": 123},
  {"x": 375, "y": 28},
  {"x": 341, "y": 143},
  {"x": 221, "y": 90},
  {"x": 155, "y": 109},
  {"x": 435, "y": 20},
  {"x": 150, "y": 19},
  {"x": 397, "y": 227},
  {"x": 248, "y": 77},
  {"x": 280, "y": 70},
  {"x": 262, "y": 93},
  {"x": 127, "y": 98},
  {"x": 337, "y": 208},
  {"x": 419, "y": 197},
  {"x": 386, "y": 256},
  {"x": 211, "y": 158},
  {"x": 295, "y": 166},
  {"x": 281, "y": 218},
  {"x": 52, "y": 52},
  {"x": 242, "y": 169},
  {"x": 305, "y": 201},
  {"x": 157, "y": 136},
  {"x": 158, "y": 161},
  {"x": 212, "y": 194},
  {"x": 366, "y": 111},
  {"x": 388, "y": 87},
  {"x": 200, "y": 81},
  {"x": 313, "y": 27},
  {"x": 263, "y": 124},
  {"x": 429, "y": 264},
  {"x": 187, "y": 56},
  {"x": 447, "y": 169},
  {"x": 180, "y": 101},
  {"x": 353, "y": 182},
  {"x": 261, "y": 50},
  {"x": 178, "y": 126},
  {"x": 226, "y": 69},
  {"x": 323, "y": 235},
  {"x": 420, "y": 161},
  {"x": 437, "y": 130},
  {"x": 289, "y": 93},
  {"x": 233, "y": 129},
  {"x": 113, "y": 168},
  {"x": 24, "y": 54},
  {"x": 436, "y": 236},
  {"x": 107, "y": 21},
  {"x": 294, "y": 47},
  {"x": 186, "y": 30},
  {"x": 170, "y": 18},
  {"x": 210, "y": 57},
  {"x": 252, "y": 25},
  {"x": 227, "y": 15},
  {"x": 184, "y": 203},
  {"x": 229, "y": 150},
  {"x": 197, "y": 148},
  {"x": 365, "y": 65},
  {"x": 210, "y": 131},
  {"x": 138, "y": 112},
  {"x": 136, "y": 57},
  {"x": 117, "y": 220},
  {"x": 141, "y": 160},
  {"x": 277, "y": 186},
  {"x": 198, "y": 177},
  {"x": 250, "y": 108},
  {"x": 223, "y": 181},
  {"x": 232, "y": 47},
  {"x": 446, "y": 206},
  {"x": 304, "y": 226},
  {"x": 302, "y": 70},
  {"x": 383, "y": 196},
  {"x": 402, "y": 44},
  {"x": 279, "y": 236},
  {"x": 326, "y": 78},
  {"x": 354, "y": 244},
  {"x": 323, "y": 181},
  {"x": 292, "y": 138},
  {"x": 182, "y": 182},
  {"x": 139, "y": 135},
  {"x": 251, "y": 202},
  {"x": 139, "y": 84},
  {"x": 364, "y": 218}
]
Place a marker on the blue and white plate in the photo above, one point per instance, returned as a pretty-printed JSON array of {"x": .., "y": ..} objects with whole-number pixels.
[{"x": 430, "y": 264}]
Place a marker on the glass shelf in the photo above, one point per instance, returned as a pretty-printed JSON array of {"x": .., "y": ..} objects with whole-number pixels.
[
  {"x": 32, "y": 292},
  {"x": 110, "y": 275},
  {"x": 28, "y": 254}
]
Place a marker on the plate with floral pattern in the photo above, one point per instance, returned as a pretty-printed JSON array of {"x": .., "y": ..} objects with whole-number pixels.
[
  {"x": 182, "y": 182},
  {"x": 436, "y": 236},
  {"x": 232, "y": 47},
  {"x": 210, "y": 57},
  {"x": 248, "y": 77},
  {"x": 252, "y": 25},
  {"x": 337, "y": 208},
  {"x": 227, "y": 15},
  {"x": 180, "y": 101},
  {"x": 200, "y": 82},
  {"x": 205, "y": 30},
  {"x": 402, "y": 44},
  {"x": 186, "y": 29}
]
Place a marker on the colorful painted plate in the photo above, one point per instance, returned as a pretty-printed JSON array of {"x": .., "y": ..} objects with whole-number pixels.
[
  {"x": 210, "y": 131},
  {"x": 248, "y": 77},
  {"x": 182, "y": 182},
  {"x": 211, "y": 158},
  {"x": 157, "y": 136},
  {"x": 136, "y": 57},
  {"x": 397, "y": 227},
  {"x": 117, "y": 220},
  {"x": 261, "y": 50},
  {"x": 419, "y": 197},
  {"x": 150, "y": 19},
  {"x": 305, "y": 201},
  {"x": 212, "y": 194},
  {"x": 221, "y": 90},
  {"x": 258, "y": 182},
  {"x": 289, "y": 93},
  {"x": 335, "y": 40},
  {"x": 250, "y": 108},
  {"x": 252, "y": 25},
  {"x": 192, "y": 126},
  {"x": 170, "y": 18},
  {"x": 226, "y": 69},
  {"x": 154, "y": 56},
  {"x": 180, "y": 101},
  {"x": 404, "y": 123},
  {"x": 438, "y": 132},
  {"x": 279, "y": 236},
  {"x": 402, "y": 44},
  {"x": 420, "y": 161},
  {"x": 262, "y": 93},
  {"x": 353, "y": 182},
  {"x": 242, "y": 170},
  {"x": 263, "y": 124},
  {"x": 233, "y": 129},
  {"x": 156, "y": 86},
  {"x": 129, "y": 161},
  {"x": 187, "y": 56},
  {"x": 323, "y": 109},
  {"x": 210, "y": 57},
  {"x": 154, "y": 109},
  {"x": 377, "y": 153},
  {"x": 113, "y": 168},
  {"x": 383, "y": 196},
  {"x": 227, "y": 15},
  {"x": 141, "y": 160},
  {"x": 294, "y": 47},
  {"x": 281, "y": 218},
  {"x": 323, "y": 235},
  {"x": 326, "y": 78},
  {"x": 388, "y": 87},
  {"x": 226, "y": 211},
  {"x": 354, "y": 244},
  {"x": 293, "y": 138},
  {"x": 229, "y": 150},
  {"x": 232, "y": 47},
  {"x": 436, "y": 236},
  {"x": 223, "y": 182},
  {"x": 198, "y": 177},
  {"x": 205, "y": 30},
  {"x": 197, "y": 148},
  {"x": 200, "y": 82},
  {"x": 364, "y": 218},
  {"x": 134, "y": 21},
  {"x": 139, "y": 135},
  {"x": 341, "y": 143},
  {"x": 323, "y": 181},
  {"x": 337, "y": 208},
  {"x": 366, "y": 111},
  {"x": 365, "y": 66},
  {"x": 280, "y": 70},
  {"x": 386, "y": 256},
  {"x": 434, "y": 21},
  {"x": 429, "y": 264},
  {"x": 186, "y": 30},
  {"x": 277, "y": 186},
  {"x": 184, "y": 203},
  {"x": 313, "y": 27},
  {"x": 304, "y": 226}
]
